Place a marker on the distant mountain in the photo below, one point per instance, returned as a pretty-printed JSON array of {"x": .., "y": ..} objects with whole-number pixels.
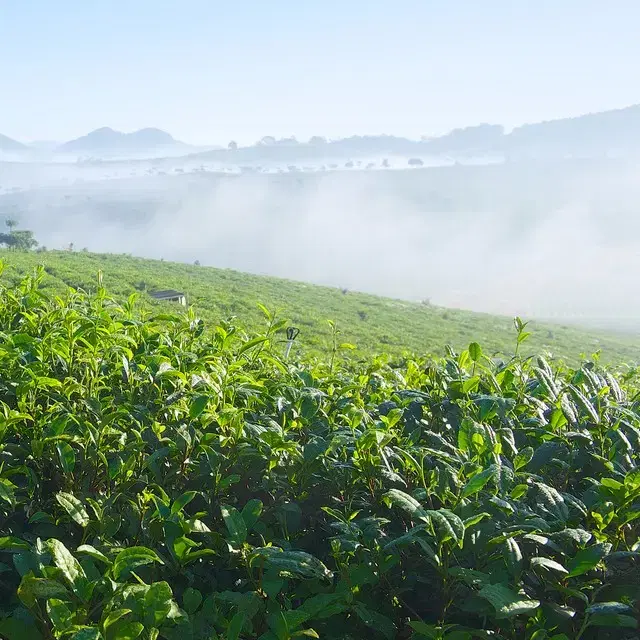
[
  {"x": 592, "y": 135},
  {"x": 595, "y": 135},
  {"x": 612, "y": 131},
  {"x": 109, "y": 140},
  {"x": 9, "y": 144}
]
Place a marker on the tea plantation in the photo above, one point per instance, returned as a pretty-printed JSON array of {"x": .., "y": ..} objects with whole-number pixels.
[
  {"x": 167, "y": 476},
  {"x": 372, "y": 324}
]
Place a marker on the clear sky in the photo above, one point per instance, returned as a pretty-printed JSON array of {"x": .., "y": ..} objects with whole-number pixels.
[{"x": 209, "y": 71}]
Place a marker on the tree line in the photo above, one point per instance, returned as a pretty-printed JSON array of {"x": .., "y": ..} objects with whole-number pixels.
[{"x": 17, "y": 239}]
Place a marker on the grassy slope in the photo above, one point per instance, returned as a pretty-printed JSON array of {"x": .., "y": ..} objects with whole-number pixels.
[{"x": 385, "y": 326}]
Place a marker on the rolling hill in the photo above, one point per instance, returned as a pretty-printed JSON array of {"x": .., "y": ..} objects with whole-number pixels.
[
  {"x": 374, "y": 324},
  {"x": 109, "y": 140},
  {"x": 9, "y": 144},
  {"x": 593, "y": 134}
]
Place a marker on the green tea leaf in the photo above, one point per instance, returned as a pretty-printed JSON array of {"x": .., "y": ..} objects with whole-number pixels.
[
  {"x": 181, "y": 502},
  {"x": 475, "y": 352},
  {"x": 87, "y": 633},
  {"x": 235, "y": 626},
  {"x": 251, "y": 513},
  {"x": 113, "y": 617},
  {"x": 296, "y": 563},
  {"x": 448, "y": 525},
  {"x": 235, "y": 524},
  {"x": 548, "y": 565},
  {"x": 198, "y": 405},
  {"x": 608, "y": 608},
  {"x": 617, "y": 620},
  {"x": 523, "y": 458},
  {"x": 129, "y": 559},
  {"x": 406, "y": 502},
  {"x": 7, "y": 491},
  {"x": 126, "y": 631},
  {"x": 478, "y": 481},
  {"x": 470, "y": 384},
  {"x": 32, "y": 588},
  {"x": 474, "y": 520},
  {"x": 513, "y": 556},
  {"x": 507, "y": 603},
  {"x": 71, "y": 568},
  {"x": 67, "y": 456},
  {"x": 94, "y": 553},
  {"x": 13, "y": 544},
  {"x": 587, "y": 559},
  {"x": 73, "y": 507},
  {"x": 59, "y": 614},
  {"x": 157, "y": 604},
  {"x": 191, "y": 600}
]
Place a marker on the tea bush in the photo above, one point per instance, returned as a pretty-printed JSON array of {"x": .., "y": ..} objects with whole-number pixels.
[{"x": 164, "y": 479}]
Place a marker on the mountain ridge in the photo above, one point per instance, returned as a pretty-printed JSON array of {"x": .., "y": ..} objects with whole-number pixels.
[
  {"x": 108, "y": 139},
  {"x": 9, "y": 144},
  {"x": 595, "y": 132}
]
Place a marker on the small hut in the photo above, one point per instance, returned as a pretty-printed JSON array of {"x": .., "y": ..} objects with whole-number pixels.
[{"x": 170, "y": 295}]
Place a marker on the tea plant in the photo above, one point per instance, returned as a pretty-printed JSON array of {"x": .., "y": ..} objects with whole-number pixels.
[{"x": 164, "y": 479}]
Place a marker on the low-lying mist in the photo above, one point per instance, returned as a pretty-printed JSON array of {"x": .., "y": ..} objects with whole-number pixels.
[{"x": 555, "y": 241}]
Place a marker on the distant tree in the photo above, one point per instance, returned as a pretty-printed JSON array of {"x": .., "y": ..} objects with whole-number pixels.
[
  {"x": 85, "y": 250},
  {"x": 197, "y": 263},
  {"x": 232, "y": 146},
  {"x": 267, "y": 141},
  {"x": 70, "y": 246},
  {"x": 415, "y": 162},
  {"x": 349, "y": 165},
  {"x": 20, "y": 240},
  {"x": 385, "y": 163},
  {"x": 317, "y": 140},
  {"x": 286, "y": 141}
]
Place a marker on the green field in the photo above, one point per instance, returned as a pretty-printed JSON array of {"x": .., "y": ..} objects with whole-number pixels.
[
  {"x": 165, "y": 480},
  {"x": 375, "y": 325}
]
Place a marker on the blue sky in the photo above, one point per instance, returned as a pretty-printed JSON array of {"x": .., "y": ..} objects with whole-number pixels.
[{"x": 210, "y": 71}]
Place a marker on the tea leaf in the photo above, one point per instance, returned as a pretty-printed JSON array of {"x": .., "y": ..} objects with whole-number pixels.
[
  {"x": 235, "y": 524},
  {"x": 478, "y": 481},
  {"x": 131, "y": 558},
  {"x": 73, "y": 507},
  {"x": 587, "y": 559},
  {"x": 507, "y": 603}
]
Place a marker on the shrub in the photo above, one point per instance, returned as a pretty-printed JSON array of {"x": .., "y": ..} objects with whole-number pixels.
[{"x": 163, "y": 479}]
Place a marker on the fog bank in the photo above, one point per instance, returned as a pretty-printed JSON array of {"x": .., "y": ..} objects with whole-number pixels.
[{"x": 549, "y": 240}]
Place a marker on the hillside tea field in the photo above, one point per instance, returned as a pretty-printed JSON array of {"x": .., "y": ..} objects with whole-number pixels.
[
  {"x": 372, "y": 323},
  {"x": 161, "y": 477}
]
